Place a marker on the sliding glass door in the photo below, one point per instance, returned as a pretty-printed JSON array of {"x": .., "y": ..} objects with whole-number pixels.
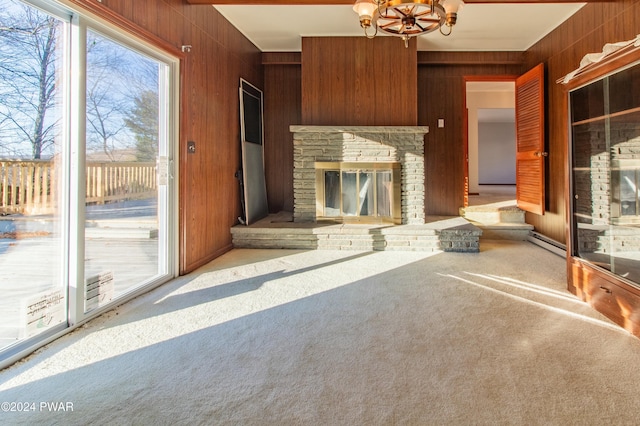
[
  {"x": 32, "y": 163},
  {"x": 88, "y": 128},
  {"x": 125, "y": 222}
]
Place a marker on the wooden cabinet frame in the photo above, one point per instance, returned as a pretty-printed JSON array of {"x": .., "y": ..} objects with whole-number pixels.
[{"x": 613, "y": 295}]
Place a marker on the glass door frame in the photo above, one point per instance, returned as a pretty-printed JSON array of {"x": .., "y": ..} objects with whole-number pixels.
[
  {"x": 22, "y": 347},
  {"x": 73, "y": 167},
  {"x": 167, "y": 211}
]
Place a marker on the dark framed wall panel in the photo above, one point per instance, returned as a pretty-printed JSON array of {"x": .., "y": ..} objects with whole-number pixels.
[
  {"x": 561, "y": 51},
  {"x": 220, "y": 55}
]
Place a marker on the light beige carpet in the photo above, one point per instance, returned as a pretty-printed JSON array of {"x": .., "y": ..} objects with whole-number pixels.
[{"x": 276, "y": 337}]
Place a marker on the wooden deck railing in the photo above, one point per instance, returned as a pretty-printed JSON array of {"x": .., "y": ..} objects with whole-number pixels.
[
  {"x": 29, "y": 186},
  {"x": 107, "y": 182}
]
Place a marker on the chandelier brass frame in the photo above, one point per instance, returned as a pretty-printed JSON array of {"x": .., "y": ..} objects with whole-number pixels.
[{"x": 407, "y": 18}]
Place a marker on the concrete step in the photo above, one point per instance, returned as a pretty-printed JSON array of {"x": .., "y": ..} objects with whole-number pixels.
[
  {"x": 505, "y": 231},
  {"x": 124, "y": 223},
  {"x": 490, "y": 215},
  {"x": 499, "y": 221},
  {"x": 122, "y": 228},
  {"x": 121, "y": 233},
  {"x": 23, "y": 227},
  {"x": 496, "y": 216}
]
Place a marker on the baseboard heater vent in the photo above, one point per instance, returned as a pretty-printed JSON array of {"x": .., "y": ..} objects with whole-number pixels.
[{"x": 547, "y": 243}]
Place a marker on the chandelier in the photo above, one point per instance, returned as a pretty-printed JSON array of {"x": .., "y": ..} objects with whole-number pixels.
[{"x": 407, "y": 18}]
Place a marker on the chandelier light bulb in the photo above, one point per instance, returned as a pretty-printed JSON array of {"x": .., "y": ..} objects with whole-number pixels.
[
  {"x": 452, "y": 7},
  {"x": 365, "y": 10}
]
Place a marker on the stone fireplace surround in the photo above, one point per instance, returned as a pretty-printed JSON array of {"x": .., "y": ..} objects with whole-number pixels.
[
  {"x": 370, "y": 144},
  {"x": 300, "y": 230}
]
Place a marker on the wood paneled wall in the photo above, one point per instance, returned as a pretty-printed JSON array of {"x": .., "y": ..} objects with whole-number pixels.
[
  {"x": 282, "y": 108},
  {"x": 220, "y": 55},
  {"x": 359, "y": 82},
  {"x": 561, "y": 51},
  {"x": 441, "y": 91}
]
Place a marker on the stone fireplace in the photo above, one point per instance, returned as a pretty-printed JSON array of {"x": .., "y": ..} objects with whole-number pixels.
[
  {"x": 377, "y": 173},
  {"x": 374, "y": 175}
]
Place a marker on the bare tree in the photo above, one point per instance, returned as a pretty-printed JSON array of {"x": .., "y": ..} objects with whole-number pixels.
[
  {"x": 118, "y": 86},
  {"x": 107, "y": 102},
  {"x": 27, "y": 79},
  {"x": 117, "y": 79}
]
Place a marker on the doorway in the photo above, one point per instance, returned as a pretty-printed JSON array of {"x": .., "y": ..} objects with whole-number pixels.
[{"x": 490, "y": 140}]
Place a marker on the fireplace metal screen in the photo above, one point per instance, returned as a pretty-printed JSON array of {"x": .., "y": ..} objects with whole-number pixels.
[{"x": 358, "y": 192}]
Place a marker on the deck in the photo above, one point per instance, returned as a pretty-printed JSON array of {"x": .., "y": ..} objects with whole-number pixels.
[{"x": 120, "y": 238}]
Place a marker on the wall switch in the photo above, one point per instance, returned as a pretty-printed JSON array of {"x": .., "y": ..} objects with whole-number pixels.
[{"x": 440, "y": 123}]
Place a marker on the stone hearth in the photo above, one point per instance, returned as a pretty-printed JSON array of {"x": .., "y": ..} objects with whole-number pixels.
[{"x": 438, "y": 233}]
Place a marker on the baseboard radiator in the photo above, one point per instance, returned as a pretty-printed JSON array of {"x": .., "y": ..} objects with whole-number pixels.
[{"x": 548, "y": 243}]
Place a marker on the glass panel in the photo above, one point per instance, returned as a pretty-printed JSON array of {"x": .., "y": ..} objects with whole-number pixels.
[
  {"x": 624, "y": 131},
  {"x": 628, "y": 192},
  {"x": 32, "y": 246},
  {"x": 606, "y": 173},
  {"x": 587, "y": 102},
  {"x": 332, "y": 193},
  {"x": 384, "y": 188},
  {"x": 591, "y": 192},
  {"x": 349, "y": 193},
  {"x": 624, "y": 89},
  {"x": 122, "y": 230},
  {"x": 366, "y": 197},
  {"x": 364, "y": 193}
]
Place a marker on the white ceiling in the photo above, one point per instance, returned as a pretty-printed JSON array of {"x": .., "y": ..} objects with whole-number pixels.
[{"x": 484, "y": 27}]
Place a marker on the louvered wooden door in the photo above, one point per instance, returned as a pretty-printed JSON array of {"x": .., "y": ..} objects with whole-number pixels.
[{"x": 530, "y": 153}]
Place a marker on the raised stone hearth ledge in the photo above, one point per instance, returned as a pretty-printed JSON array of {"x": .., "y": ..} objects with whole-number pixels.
[
  {"x": 359, "y": 129},
  {"x": 437, "y": 234},
  {"x": 374, "y": 144}
]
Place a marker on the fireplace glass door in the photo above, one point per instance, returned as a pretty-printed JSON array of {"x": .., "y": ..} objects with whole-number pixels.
[{"x": 367, "y": 192}]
